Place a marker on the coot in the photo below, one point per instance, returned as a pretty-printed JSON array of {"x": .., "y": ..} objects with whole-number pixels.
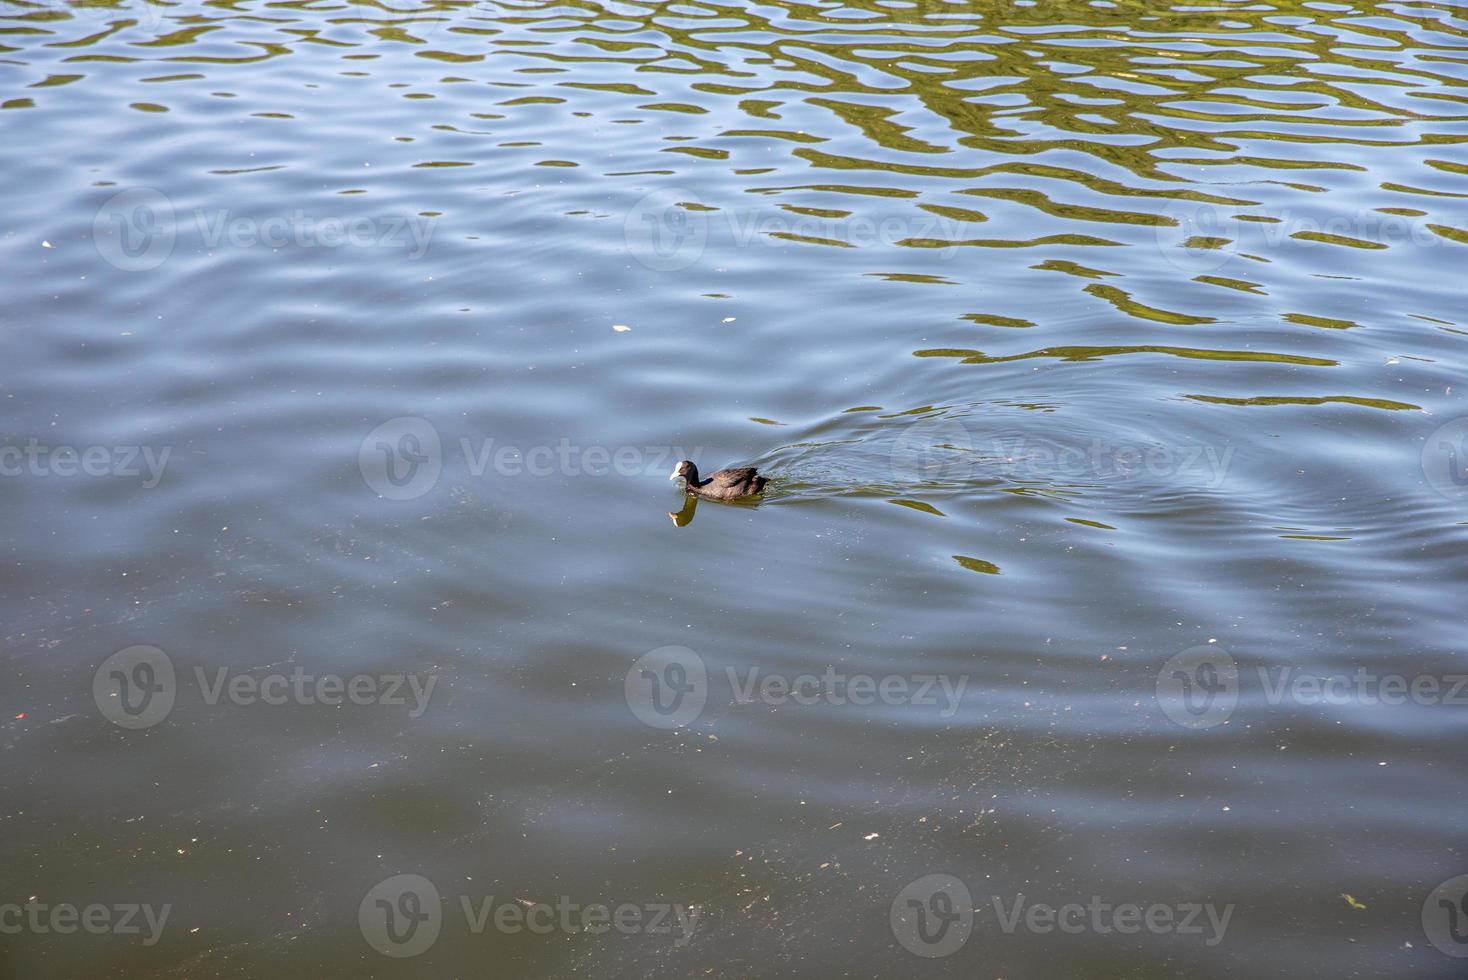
[{"x": 730, "y": 484}]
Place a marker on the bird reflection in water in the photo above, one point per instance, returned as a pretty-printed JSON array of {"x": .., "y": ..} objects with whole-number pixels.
[{"x": 684, "y": 517}]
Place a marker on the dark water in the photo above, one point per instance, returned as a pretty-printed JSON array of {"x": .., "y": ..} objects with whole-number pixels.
[{"x": 1074, "y": 336}]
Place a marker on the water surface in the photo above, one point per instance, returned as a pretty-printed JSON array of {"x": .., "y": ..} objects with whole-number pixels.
[{"x": 1075, "y": 336}]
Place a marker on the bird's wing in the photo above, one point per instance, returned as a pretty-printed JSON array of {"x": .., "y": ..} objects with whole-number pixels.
[{"x": 735, "y": 477}]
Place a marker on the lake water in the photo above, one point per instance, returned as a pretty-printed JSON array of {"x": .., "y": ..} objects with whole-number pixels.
[{"x": 1103, "y": 618}]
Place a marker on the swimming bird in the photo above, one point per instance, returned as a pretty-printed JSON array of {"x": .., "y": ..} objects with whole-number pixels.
[{"x": 730, "y": 484}]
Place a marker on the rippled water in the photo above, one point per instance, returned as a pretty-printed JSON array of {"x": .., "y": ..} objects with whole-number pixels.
[{"x": 358, "y": 339}]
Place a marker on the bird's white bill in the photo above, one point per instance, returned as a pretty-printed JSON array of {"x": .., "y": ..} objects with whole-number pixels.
[{"x": 674, "y": 476}]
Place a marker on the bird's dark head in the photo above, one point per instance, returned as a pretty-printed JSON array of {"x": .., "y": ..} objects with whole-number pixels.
[{"x": 685, "y": 469}]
